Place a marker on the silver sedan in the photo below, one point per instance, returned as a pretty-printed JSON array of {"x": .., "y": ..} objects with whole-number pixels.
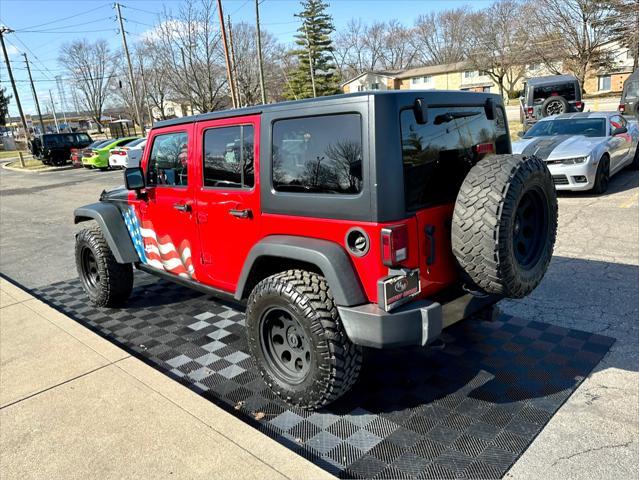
[{"x": 583, "y": 150}]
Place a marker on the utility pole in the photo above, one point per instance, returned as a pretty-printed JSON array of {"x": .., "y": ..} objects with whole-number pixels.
[
  {"x": 229, "y": 73},
  {"x": 131, "y": 77},
  {"x": 233, "y": 64},
  {"x": 55, "y": 118},
  {"x": 310, "y": 61},
  {"x": 260, "y": 62},
  {"x": 3, "y": 31},
  {"x": 144, "y": 92},
  {"x": 35, "y": 95}
]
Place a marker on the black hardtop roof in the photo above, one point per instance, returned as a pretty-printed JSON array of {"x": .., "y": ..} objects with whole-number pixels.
[
  {"x": 447, "y": 97},
  {"x": 633, "y": 76},
  {"x": 552, "y": 79}
]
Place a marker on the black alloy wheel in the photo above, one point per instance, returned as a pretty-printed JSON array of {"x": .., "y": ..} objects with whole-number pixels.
[
  {"x": 602, "y": 178},
  {"x": 286, "y": 347},
  {"x": 530, "y": 228},
  {"x": 89, "y": 273},
  {"x": 555, "y": 108}
]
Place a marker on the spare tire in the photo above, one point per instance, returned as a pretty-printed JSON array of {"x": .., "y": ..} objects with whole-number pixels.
[
  {"x": 554, "y": 105},
  {"x": 505, "y": 224}
]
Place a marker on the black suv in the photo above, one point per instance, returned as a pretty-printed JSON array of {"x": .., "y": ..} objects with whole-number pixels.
[
  {"x": 55, "y": 148},
  {"x": 551, "y": 95},
  {"x": 629, "y": 104}
]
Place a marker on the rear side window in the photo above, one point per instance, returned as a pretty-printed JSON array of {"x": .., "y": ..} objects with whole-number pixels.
[
  {"x": 168, "y": 160},
  {"x": 566, "y": 90},
  {"x": 228, "y": 157},
  {"x": 82, "y": 138},
  {"x": 438, "y": 155},
  {"x": 318, "y": 154}
]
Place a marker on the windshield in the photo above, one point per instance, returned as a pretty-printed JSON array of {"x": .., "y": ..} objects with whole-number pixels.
[{"x": 588, "y": 127}]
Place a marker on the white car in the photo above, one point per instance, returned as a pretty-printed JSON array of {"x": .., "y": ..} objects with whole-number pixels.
[
  {"x": 583, "y": 150},
  {"x": 128, "y": 155}
]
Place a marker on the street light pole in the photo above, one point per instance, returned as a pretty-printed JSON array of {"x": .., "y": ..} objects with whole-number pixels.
[
  {"x": 55, "y": 118},
  {"x": 35, "y": 95},
  {"x": 229, "y": 73}
]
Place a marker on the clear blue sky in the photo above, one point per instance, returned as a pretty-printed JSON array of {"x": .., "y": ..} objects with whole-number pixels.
[{"x": 93, "y": 19}]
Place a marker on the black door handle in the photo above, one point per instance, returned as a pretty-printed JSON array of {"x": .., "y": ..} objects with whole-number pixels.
[
  {"x": 241, "y": 213},
  {"x": 182, "y": 207}
]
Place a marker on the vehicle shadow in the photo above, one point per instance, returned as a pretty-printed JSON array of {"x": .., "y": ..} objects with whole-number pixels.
[{"x": 624, "y": 180}]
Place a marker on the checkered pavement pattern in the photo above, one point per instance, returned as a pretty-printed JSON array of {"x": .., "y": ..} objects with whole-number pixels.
[{"x": 468, "y": 410}]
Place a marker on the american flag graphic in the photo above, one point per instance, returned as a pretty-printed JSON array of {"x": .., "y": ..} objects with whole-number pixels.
[{"x": 158, "y": 252}]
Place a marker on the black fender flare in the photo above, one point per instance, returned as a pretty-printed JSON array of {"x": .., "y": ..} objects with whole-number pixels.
[
  {"x": 329, "y": 257},
  {"x": 111, "y": 222}
]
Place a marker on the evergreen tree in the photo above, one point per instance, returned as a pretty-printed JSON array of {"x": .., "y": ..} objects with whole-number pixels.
[
  {"x": 4, "y": 106},
  {"x": 315, "y": 48}
]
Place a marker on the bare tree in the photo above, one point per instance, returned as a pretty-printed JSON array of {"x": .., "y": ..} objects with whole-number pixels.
[
  {"x": 441, "y": 37},
  {"x": 189, "y": 50},
  {"x": 499, "y": 44},
  {"x": 156, "y": 76},
  {"x": 571, "y": 33},
  {"x": 92, "y": 66},
  {"x": 623, "y": 23}
]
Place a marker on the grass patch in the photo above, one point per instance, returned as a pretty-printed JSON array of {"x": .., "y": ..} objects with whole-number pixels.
[
  {"x": 11, "y": 154},
  {"x": 515, "y": 128},
  {"x": 30, "y": 164}
]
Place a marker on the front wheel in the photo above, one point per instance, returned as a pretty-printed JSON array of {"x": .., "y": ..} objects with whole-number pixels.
[
  {"x": 635, "y": 162},
  {"x": 602, "y": 178},
  {"x": 106, "y": 282},
  {"x": 298, "y": 343}
]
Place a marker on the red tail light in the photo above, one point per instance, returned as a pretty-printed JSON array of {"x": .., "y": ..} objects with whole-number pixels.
[
  {"x": 579, "y": 105},
  {"x": 482, "y": 148},
  {"x": 394, "y": 245},
  {"x": 622, "y": 108},
  {"x": 529, "y": 111}
]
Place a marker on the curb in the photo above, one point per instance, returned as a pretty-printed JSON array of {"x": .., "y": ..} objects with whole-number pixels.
[{"x": 40, "y": 170}]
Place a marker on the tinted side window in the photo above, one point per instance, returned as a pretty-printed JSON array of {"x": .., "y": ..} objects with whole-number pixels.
[
  {"x": 228, "y": 157},
  {"x": 438, "y": 155},
  {"x": 168, "y": 160},
  {"x": 318, "y": 154}
]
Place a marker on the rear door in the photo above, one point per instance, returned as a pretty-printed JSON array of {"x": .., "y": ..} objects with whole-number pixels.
[
  {"x": 437, "y": 156},
  {"x": 619, "y": 144},
  {"x": 166, "y": 223},
  {"x": 227, "y": 197}
]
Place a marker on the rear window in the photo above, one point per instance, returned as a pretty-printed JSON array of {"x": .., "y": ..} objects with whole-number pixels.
[
  {"x": 318, "y": 154},
  {"x": 566, "y": 90},
  {"x": 632, "y": 89},
  {"x": 438, "y": 155},
  {"x": 136, "y": 142},
  {"x": 82, "y": 138}
]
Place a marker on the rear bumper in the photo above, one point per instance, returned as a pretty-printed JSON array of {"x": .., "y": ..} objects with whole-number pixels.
[
  {"x": 94, "y": 161},
  {"x": 414, "y": 324}
]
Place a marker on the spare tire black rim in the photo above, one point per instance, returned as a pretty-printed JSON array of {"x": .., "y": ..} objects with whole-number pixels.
[
  {"x": 286, "y": 348},
  {"x": 89, "y": 268},
  {"x": 530, "y": 229}
]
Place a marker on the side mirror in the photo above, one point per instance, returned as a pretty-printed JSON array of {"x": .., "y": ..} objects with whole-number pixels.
[
  {"x": 420, "y": 110},
  {"x": 134, "y": 178},
  {"x": 619, "y": 131}
]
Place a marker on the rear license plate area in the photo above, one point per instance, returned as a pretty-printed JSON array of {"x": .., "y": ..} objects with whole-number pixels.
[{"x": 395, "y": 290}]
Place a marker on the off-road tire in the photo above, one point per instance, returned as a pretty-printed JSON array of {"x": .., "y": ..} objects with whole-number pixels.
[
  {"x": 335, "y": 361},
  {"x": 484, "y": 224},
  {"x": 602, "y": 177},
  {"x": 115, "y": 280},
  {"x": 550, "y": 100}
]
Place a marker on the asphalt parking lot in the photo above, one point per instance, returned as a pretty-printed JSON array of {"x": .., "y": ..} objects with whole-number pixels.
[{"x": 591, "y": 285}]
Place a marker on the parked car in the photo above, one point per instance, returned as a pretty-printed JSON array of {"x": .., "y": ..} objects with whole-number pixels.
[
  {"x": 55, "y": 148},
  {"x": 127, "y": 156},
  {"x": 370, "y": 219},
  {"x": 77, "y": 153},
  {"x": 583, "y": 150},
  {"x": 546, "y": 96},
  {"x": 98, "y": 157},
  {"x": 629, "y": 104}
]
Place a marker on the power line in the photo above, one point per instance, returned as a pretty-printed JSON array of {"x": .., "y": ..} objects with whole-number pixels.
[
  {"x": 63, "y": 27},
  {"x": 65, "y": 18}
]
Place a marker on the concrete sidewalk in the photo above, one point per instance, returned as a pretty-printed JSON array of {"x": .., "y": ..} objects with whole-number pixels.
[{"x": 73, "y": 405}]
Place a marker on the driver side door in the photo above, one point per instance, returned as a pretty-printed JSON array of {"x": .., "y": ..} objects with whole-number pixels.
[{"x": 166, "y": 223}]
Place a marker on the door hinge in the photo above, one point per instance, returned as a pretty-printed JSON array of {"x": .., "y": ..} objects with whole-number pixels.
[
  {"x": 202, "y": 217},
  {"x": 206, "y": 258}
]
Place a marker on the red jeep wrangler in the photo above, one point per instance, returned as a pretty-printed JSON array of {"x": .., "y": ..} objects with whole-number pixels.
[{"x": 363, "y": 220}]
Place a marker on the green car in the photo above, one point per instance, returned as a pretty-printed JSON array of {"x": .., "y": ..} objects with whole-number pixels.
[{"x": 99, "y": 157}]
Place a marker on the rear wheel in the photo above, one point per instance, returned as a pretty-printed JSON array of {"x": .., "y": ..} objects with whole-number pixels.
[
  {"x": 602, "y": 177},
  {"x": 297, "y": 340},
  {"x": 505, "y": 224},
  {"x": 106, "y": 282}
]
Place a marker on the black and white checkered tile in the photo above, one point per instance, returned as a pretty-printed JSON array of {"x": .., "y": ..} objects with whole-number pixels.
[{"x": 467, "y": 411}]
